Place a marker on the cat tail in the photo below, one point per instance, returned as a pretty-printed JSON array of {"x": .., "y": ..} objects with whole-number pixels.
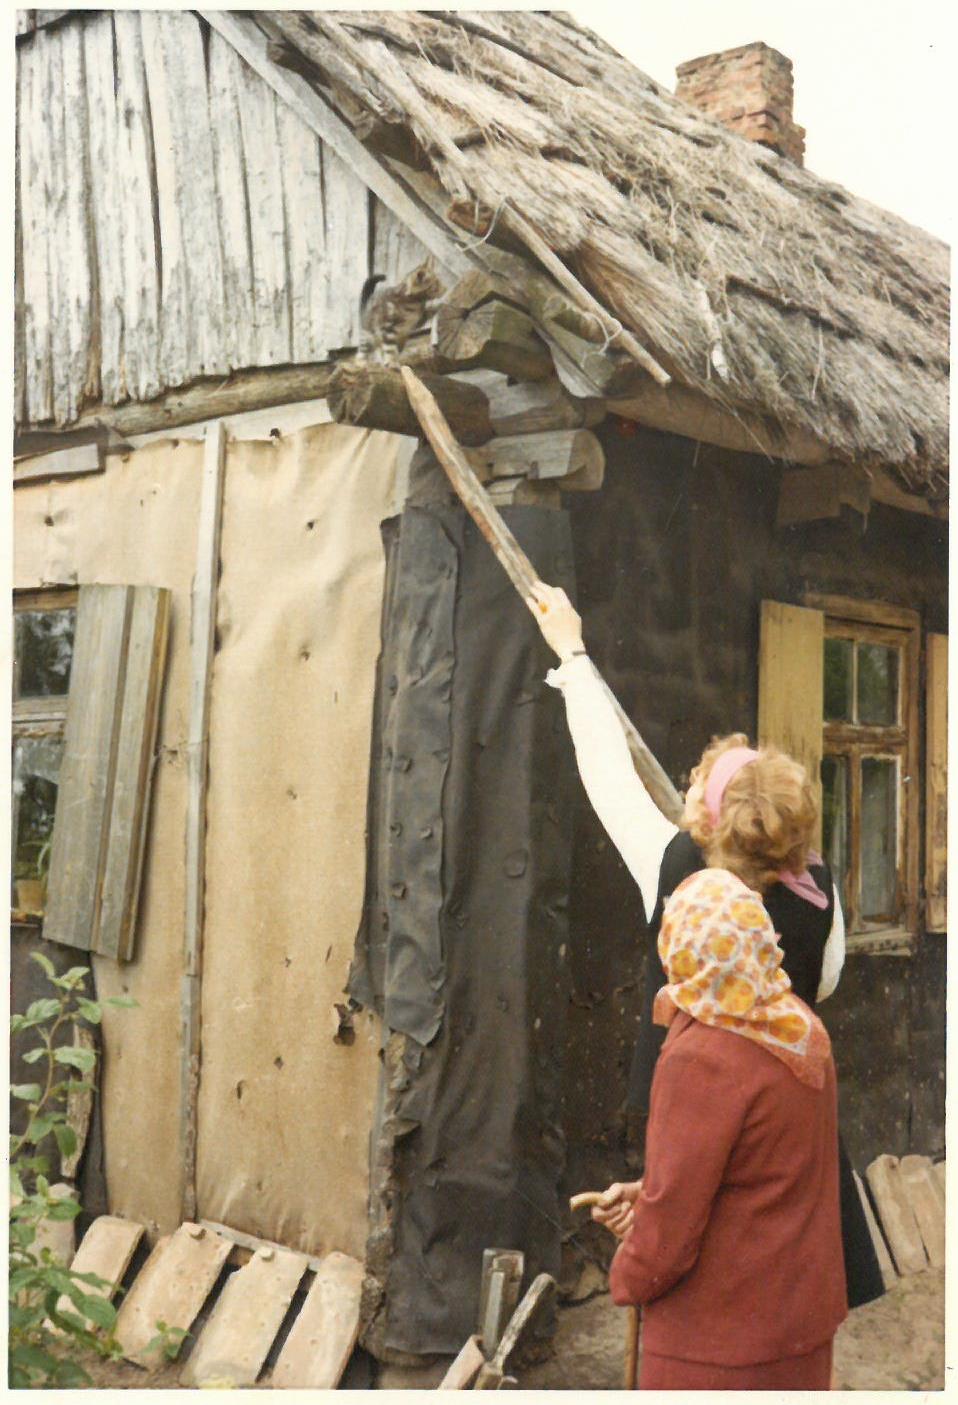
[{"x": 369, "y": 287}]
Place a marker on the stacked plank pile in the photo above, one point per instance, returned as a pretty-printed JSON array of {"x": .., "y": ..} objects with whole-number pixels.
[
  {"x": 264, "y": 1290},
  {"x": 907, "y": 1222}
]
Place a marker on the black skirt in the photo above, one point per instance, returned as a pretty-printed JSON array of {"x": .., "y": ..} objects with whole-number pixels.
[{"x": 803, "y": 931}]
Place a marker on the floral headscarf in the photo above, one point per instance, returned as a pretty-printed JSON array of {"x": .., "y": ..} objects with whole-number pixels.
[{"x": 723, "y": 963}]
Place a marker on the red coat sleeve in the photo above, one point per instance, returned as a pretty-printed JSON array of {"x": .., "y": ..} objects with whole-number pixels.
[{"x": 695, "y": 1118}]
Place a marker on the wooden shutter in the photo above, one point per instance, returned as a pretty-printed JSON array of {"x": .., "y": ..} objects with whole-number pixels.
[
  {"x": 936, "y": 783},
  {"x": 103, "y": 796},
  {"x": 790, "y": 682}
]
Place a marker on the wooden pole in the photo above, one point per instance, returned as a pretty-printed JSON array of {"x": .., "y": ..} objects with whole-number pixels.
[
  {"x": 631, "y": 1371},
  {"x": 202, "y": 630},
  {"x": 520, "y": 570}
]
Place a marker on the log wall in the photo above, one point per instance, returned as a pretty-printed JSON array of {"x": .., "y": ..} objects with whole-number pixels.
[
  {"x": 672, "y": 559},
  {"x": 174, "y": 218}
]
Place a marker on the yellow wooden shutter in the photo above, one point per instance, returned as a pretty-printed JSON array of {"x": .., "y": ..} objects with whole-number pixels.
[
  {"x": 790, "y": 680},
  {"x": 936, "y": 783},
  {"x": 103, "y": 793}
]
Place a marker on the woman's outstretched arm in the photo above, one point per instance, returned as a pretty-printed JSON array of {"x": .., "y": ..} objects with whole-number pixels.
[{"x": 635, "y": 825}]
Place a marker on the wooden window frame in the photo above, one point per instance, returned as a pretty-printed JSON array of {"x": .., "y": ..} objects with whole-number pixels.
[
  {"x": 39, "y": 717},
  {"x": 880, "y": 623}
]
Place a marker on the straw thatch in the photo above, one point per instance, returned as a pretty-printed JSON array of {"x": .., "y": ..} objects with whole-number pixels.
[{"x": 771, "y": 290}]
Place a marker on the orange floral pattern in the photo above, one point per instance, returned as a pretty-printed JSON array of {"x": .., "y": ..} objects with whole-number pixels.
[{"x": 723, "y": 963}]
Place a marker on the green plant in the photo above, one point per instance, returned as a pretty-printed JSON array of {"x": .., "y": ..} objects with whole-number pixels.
[
  {"x": 36, "y": 868},
  {"x": 55, "y": 1315}
]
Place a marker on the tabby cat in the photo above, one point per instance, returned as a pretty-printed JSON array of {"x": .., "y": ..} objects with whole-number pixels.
[{"x": 390, "y": 316}]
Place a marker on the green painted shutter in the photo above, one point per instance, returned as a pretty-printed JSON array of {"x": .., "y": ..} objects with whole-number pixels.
[{"x": 103, "y": 796}]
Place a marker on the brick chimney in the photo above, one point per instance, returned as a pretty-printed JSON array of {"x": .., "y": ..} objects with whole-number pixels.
[{"x": 749, "y": 90}]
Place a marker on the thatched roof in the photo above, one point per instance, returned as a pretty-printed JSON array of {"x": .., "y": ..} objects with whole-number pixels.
[{"x": 771, "y": 290}]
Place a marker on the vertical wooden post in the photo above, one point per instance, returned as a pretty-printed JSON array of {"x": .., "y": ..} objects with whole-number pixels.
[
  {"x": 202, "y": 631},
  {"x": 936, "y": 785}
]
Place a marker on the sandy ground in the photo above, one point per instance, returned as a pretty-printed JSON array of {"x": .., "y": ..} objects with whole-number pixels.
[{"x": 896, "y": 1343}]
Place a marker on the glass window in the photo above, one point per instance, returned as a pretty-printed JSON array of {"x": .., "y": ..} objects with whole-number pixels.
[
  {"x": 877, "y": 684},
  {"x": 869, "y": 821},
  {"x": 839, "y": 663},
  {"x": 36, "y": 769},
  {"x": 879, "y": 859},
  {"x": 835, "y": 816},
  {"x": 43, "y": 631},
  {"x": 43, "y": 652}
]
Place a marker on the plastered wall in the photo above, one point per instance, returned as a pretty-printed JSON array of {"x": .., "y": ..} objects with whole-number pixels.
[
  {"x": 134, "y": 524},
  {"x": 284, "y": 1112}
]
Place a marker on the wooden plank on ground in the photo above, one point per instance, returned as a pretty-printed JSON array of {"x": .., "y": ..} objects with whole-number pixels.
[
  {"x": 465, "y": 1368},
  {"x": 246, "y": 1319},
  {"x": 324, "y": 1334},
  {"x": 888, "y": 1273},
  {"x": 924, "y": 1198},
  {"x": 896, "y": 1215},
  {"x": 246, "y": 1245},
  {"x": 107, "y": 1249},
  {"x": 171, "y": 1287}
]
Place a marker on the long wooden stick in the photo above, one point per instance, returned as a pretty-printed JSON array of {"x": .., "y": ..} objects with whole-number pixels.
[
  {"x": 631, "y": 1370},
  {"x": 520, "y": 570}
]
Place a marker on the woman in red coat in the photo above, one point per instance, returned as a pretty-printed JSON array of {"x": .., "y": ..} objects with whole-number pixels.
[{"x": 734, "y": 1246}]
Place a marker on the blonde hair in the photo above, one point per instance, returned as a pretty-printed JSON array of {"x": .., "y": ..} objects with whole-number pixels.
[{"x": 767, "y": 817}]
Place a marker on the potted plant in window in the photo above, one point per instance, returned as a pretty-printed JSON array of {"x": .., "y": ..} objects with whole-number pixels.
[{"x": 30, "y": 876}]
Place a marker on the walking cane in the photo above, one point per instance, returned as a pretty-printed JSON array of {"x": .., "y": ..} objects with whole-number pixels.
[{"x": 592, "y": 1197}]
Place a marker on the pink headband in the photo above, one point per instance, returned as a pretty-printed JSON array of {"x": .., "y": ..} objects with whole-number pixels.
[{"x": 727, "y": 766}]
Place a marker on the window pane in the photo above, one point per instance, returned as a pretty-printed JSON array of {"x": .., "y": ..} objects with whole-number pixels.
[
  {"x": 43, "y": 646},
  {"x": 879, "y": 837},
  {"x": 838, "y": 680},
  {"x": 877, "y": 684},
  {"x": 36, "y": 768},
  {"x": 835, "y": 817}
]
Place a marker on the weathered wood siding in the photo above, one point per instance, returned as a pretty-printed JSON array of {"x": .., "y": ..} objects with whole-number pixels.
[{"x": 174, "y": 218}]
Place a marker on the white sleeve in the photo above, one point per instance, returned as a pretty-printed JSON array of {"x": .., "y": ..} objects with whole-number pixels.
[
  {"x": 834, "y": 957},
  {"x": 637, "y": 828}
]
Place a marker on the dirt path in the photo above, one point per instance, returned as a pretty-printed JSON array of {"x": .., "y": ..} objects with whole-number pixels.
[{"x": 896, "y": 1343}]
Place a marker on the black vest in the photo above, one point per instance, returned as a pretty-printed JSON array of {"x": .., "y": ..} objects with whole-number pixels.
[{"x": 802, "y": 933}]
